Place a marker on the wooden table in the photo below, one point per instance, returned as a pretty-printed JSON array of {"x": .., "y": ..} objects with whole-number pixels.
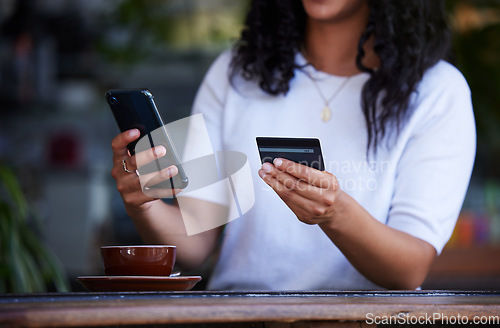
[{"x": 247, "y": 309}]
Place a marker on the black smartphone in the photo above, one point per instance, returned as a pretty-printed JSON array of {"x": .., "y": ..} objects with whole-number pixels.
[
  {"x": 135, "y": 108},
  {"x": 305, "y": 151}
]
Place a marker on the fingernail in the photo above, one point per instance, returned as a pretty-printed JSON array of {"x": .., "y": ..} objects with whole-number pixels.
[
  {"x": 159, "y": 151},
  {"x": 262, "y": 174},
  {"x": 172, "y": 171},
  {"x": 267, "y": 167},
  {"x": 133, "y": 132},
  {"x": 278, "y": 162}
]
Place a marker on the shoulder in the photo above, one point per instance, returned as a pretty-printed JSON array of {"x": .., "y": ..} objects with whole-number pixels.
[
  {"x": 442, "y": 102},
  {"x": 443, "y": 90},
  {"x": 443, "y": 77},
  {"x": 215, "y": 84},
  {"x": 220, "y": 80},
  {"x": 220, "y": 66}
]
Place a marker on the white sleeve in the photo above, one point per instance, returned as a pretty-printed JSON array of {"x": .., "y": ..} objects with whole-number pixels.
[
  {"x": 435, "y": 167},
  {"x": 211, "y": 97},
  {"x": 201, "y": 153}
]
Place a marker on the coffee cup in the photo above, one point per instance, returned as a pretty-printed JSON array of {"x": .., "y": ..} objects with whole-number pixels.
[{"x": 138, "y": 260}]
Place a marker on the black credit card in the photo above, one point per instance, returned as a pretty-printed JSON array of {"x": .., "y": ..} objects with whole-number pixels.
[{"x": 305, "y": 151}]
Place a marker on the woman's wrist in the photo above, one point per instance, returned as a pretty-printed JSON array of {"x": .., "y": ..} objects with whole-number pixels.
[
  {"x": 339, "y": 216},
  {"x": 140, "y": 210}
]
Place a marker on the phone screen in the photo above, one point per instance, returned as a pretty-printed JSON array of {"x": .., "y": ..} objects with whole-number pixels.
[{"x": 136, "y": 109}]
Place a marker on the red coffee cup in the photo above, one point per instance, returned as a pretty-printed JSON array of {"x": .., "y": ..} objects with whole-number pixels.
[{"x": 138, "y": 260}]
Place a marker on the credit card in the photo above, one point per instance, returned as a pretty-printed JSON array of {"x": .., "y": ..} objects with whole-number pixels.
[{"x": 305, "y": 151}]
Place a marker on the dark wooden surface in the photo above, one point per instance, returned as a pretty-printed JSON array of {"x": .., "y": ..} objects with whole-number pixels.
[{"x": 236, "y": 309}]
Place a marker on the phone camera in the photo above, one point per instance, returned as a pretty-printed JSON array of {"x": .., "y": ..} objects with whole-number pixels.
[{"x": 113, "y": 101}]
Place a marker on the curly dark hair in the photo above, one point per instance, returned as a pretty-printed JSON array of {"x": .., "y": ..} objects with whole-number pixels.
[{"x": 410, "y": 37}]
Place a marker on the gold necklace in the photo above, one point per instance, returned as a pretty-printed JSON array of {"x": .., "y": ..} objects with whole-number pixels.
[{"x": 326, "y": 113}]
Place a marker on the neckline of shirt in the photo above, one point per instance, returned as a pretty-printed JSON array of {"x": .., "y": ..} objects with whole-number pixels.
[{"x": 310, "y": 71}]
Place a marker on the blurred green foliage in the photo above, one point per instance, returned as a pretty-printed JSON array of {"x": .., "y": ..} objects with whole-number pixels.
[
  {"x": 26, "y": 263},
  {"x": 134, "y": 29},
  {"x": 476, "y": 25},
  {"x": 131, "y": 28}
]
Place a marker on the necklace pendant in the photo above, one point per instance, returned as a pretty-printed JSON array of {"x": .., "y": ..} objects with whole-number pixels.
[{"x": 326, "y": 114}]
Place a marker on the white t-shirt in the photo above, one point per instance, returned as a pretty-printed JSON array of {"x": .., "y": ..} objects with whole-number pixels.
[{"x": 416, "y": 186}]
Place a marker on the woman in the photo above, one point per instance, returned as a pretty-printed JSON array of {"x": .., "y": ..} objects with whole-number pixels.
[{"x": 398, "y": 138}]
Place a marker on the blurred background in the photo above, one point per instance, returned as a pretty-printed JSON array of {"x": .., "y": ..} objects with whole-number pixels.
[{"x": 57, "y": 58}]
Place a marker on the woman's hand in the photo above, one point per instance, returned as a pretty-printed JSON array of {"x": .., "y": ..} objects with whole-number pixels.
[
  {"x": 314, "y": 196},
  {"x": 388, "y": 257},
  {"x": 134, "y": 189}
]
